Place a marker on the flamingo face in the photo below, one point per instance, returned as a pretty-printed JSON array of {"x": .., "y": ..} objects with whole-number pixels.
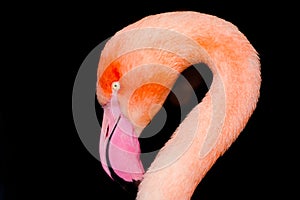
[
  {"x": 131, "y": 92},
  {"x": 119, "y": 145},
  {"x": 126, "y": 100},
  {"x": 127, "y": 111}
]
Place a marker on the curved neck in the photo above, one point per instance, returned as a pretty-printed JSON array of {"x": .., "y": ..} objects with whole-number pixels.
[{"x": 214, "y": 124}]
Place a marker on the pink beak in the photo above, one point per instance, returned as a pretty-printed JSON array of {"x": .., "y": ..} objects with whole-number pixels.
[{"x": 119, "y": 147}]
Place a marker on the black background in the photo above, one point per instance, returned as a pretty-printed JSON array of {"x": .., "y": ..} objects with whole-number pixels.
[{"x": 42, "y": 156}]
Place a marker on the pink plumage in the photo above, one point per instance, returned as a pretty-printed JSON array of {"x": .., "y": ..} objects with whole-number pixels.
[{"x": 148, "y": 56}]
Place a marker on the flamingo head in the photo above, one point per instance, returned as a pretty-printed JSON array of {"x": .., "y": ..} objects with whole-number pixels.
[{"x": 130, "y": 93}]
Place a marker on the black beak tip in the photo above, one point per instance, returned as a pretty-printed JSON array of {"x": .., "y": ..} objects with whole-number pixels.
[{"x": 130, "y": 187}]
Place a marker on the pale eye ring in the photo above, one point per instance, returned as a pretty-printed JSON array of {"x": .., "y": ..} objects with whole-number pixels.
[{"x": 115, "y": 85}]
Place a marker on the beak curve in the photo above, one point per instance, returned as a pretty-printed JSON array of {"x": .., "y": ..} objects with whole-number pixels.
[{"x": 119, "y": 147}]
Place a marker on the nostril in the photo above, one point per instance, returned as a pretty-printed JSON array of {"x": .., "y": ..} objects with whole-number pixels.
[{"x": 107, "y": 130}]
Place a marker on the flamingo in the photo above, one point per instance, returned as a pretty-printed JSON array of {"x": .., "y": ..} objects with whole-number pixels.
[{"x": 137, "y": 69}]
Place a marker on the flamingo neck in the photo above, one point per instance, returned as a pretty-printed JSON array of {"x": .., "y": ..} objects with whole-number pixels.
[{"x": 214, "y": 124}]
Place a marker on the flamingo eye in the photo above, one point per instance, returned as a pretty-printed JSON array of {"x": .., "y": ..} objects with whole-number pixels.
[{"x": 115, "y": 86}]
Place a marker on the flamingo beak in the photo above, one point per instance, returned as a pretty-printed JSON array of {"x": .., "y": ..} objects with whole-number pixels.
[{"x": 119, "y": 146}]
